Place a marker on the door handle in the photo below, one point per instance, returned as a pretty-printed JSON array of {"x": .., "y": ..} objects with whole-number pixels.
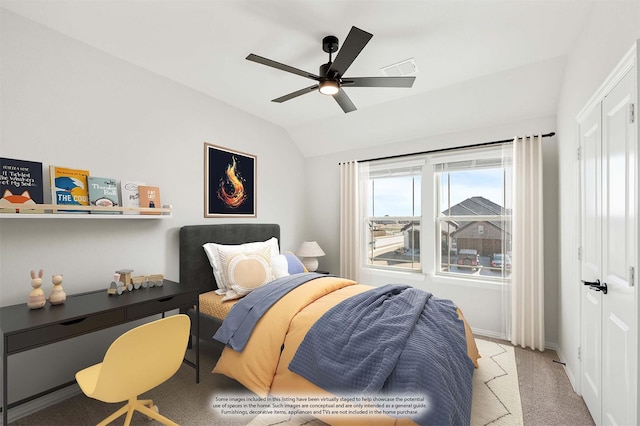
[{"x": 595, "y": 285}]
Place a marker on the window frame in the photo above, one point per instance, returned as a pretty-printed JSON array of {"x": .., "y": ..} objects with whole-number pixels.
[
  {"x": 401, "y": 167},
  {"x": 430, "y": 238},
  {"x": 433, "y": 193}
]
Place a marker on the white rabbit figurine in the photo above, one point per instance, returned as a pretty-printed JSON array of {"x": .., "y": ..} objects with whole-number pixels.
[
  {"x": 37, "y": 298},
  {"x": 57, "y": 296}
]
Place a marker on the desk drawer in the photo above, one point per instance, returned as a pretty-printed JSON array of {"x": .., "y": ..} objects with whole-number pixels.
[
  {"x": 63, "y": 330},
  {"x": 161, "y": 305}
]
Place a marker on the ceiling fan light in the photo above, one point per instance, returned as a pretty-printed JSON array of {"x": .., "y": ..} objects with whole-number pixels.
[{"x": 329, "y": 87}]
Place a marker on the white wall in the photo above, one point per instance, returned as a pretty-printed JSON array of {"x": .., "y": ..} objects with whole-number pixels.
[
  {"x": 482, "y": 305},
  {"x": 68, "y": 104},
  {"x": 612, "y": 29}
]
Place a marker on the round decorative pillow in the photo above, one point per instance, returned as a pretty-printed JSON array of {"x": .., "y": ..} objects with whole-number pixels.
[
  {"x": 245, "y": 272},
  {"x": 248, "y": 271}
]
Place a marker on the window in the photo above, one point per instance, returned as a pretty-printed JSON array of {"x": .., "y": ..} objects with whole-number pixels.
[
  {"x": 455, "y": 205},
  {"x": 394, "y": 217},
  {"x": 473, "y": 221}
]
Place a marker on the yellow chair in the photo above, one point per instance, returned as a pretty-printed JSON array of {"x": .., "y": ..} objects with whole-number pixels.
[{"x": 136, "y": 362}]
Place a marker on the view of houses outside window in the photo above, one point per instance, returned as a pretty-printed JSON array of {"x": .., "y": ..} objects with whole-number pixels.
[
  {"x": 473, "y": 223},
  {"x": 394, "y": 217},
  {"x": 473, "y": 217}
]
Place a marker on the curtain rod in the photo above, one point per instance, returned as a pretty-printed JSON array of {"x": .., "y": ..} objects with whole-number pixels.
[{"x": 546, "y": 135}]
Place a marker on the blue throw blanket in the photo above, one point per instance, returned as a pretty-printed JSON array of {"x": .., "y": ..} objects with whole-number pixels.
[
  {"x": 244, "y": 315},
  {"x": 393, "y": 340}
]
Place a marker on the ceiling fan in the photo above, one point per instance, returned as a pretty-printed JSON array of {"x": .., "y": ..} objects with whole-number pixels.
[{"x": 331, "y": 79}]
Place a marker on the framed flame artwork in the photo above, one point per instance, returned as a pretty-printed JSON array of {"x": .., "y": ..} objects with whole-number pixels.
[{"x": 229, "y": 182}]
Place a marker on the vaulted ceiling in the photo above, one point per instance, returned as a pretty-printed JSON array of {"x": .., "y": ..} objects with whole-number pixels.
[{"x": 480, "y": 63}]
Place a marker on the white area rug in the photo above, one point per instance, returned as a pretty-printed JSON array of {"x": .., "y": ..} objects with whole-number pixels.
[{"x": 496, "y": 395}]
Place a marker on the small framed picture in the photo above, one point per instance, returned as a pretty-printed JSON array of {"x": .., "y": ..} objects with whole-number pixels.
[{"x": 229, "y": 182}]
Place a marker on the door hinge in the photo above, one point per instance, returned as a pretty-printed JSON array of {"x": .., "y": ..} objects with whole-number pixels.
[
  {"x": 579, "y": 153},
  {"x": 579, "y": 353},
  {"x": 580, "y": 253},
  {"x": 632, "y": 113},
  {"x": 632, "y": 276}
]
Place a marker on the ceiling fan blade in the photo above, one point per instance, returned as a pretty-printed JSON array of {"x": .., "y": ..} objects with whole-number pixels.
[
  {"x": 283, "y": 67},
  {"x": 378, "y": 81},
  {"x": 296, "y": 94},
  {"x": 344, "y": 101},
  {"x": 356, "y": 40}
]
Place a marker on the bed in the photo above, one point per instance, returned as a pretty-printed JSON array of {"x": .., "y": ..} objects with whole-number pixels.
[
  {"x": 312, "y": 345},
  {"x": 195, "y": 268}
]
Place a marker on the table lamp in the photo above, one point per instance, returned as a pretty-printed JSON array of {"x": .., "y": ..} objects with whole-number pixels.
[{"x": 308, "y": 252}]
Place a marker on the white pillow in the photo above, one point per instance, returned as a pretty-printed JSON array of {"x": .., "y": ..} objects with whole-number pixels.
[
  {"x": 212, "y": 251},
  {"x": 245, "y": 271},
  {"x": 280, "y": 266}
]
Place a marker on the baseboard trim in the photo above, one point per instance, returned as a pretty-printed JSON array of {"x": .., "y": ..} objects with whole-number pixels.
[
  {"x": 43, "y": 402},
  {"x": 488, "y": 333},
  {"x": 492, "y": 334},
  {"x": 569, "y": 372}
]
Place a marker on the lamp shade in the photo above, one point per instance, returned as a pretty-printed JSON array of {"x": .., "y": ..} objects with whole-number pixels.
[{"x": 308, "y": 251}]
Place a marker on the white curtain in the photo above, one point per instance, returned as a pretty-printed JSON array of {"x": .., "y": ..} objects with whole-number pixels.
[
  {"x": 353, "y": 176},
  {"x": 527, "y": 277}
]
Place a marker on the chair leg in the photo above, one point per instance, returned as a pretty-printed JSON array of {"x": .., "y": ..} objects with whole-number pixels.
[
  {"x": 132, "y": 408},
  {"x": 151, "y": 413},
  {"x": 146, "y": 402},
  {"x": 143, "y": 406},
  {"x": 114, "y": 416}
]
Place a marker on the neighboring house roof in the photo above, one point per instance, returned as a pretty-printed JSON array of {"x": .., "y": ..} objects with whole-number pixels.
[{"x": 476, "y": 206}]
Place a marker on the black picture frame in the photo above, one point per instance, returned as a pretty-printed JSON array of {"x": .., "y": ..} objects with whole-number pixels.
[{"x": 229, "y": 182}]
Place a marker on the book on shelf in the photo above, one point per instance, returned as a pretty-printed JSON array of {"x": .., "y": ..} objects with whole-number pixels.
[
  {"x": 20, "y": 185},
  {"x": 69, "y": 187},
  {"x": 130, "y": 195},
  {"x": 149, "y": 197},
  {"x": 103, "y": 192}
]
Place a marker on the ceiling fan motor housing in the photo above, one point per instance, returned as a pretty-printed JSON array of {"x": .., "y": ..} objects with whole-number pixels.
[{"x": 325, "y": 74}]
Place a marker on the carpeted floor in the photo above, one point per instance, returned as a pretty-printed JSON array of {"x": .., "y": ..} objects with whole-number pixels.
[{"x": 547, "y": 397}]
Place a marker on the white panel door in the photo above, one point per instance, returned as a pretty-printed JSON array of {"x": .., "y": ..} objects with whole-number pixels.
[
  {"x": 619, "y": 327},
  {"x": 609, "y": 256},
  {"x": 591, "y": 270}
]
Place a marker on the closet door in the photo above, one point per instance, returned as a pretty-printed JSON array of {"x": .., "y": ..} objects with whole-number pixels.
[
  {"x": 609, "y": 255},
  {"x": 619, "y": 239},
  {"x": 591, "y": 269}
]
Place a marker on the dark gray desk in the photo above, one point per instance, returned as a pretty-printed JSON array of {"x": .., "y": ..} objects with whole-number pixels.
[{"x": 24, "y": 329}]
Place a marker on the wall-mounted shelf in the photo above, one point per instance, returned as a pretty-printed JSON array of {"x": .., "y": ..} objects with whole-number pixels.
[{"x": 53, "y": 211}]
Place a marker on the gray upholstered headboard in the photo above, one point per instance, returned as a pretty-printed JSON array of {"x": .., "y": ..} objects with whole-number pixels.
[{"x": 195, "y": 269}]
